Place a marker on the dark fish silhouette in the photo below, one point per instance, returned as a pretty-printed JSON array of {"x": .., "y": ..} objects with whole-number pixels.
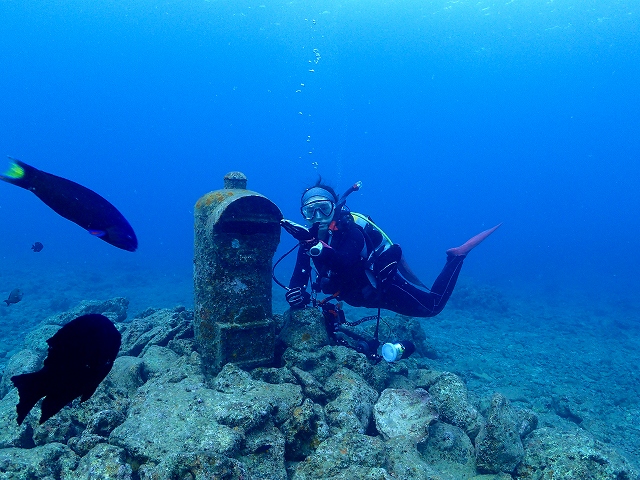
[
  {"x": 37, "y": 247},
  {"x": 80, "y": 355},
  {"x": 14, "y": 297},
  {"x": 76, "y": 203}
]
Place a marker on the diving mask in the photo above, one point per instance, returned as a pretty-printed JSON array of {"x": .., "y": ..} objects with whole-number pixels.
[{"x": 319, "y": 209}]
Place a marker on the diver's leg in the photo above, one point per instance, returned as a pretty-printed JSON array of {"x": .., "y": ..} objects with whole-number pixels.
[
  {"x": 406, "y": 299},
  {"x": 443, "y": 287},
  {"x": 473, "y": 242}
]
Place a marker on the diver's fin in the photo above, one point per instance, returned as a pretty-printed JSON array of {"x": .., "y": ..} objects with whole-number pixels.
[{"x": 470, "y": 244}]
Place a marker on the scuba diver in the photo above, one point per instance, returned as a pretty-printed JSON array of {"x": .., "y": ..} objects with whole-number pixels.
[{"x": 357, "y": 263}]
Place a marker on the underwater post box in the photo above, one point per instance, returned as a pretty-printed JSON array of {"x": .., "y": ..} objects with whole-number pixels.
[{"x": 237, "y": 232}]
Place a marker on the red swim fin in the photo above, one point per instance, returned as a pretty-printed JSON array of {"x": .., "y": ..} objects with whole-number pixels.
[{"x": 472, "y": 243}]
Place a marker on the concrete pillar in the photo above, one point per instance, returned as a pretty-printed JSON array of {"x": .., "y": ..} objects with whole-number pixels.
[{"x": 236, "y": 235}]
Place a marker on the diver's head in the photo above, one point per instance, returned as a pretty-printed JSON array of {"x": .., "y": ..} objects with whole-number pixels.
[{"x": 318, "y": 204}]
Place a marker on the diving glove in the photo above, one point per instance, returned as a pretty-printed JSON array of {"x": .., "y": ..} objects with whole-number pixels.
[{"x": 299, "y": 232}]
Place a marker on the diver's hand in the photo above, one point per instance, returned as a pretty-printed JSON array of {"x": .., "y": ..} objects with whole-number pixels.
[
  {"x": 297, "y": 297},
  {"x": 297, "y": 231}
]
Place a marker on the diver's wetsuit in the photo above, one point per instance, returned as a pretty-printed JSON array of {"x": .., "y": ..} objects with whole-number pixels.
[{"x": 342, "y": 269}]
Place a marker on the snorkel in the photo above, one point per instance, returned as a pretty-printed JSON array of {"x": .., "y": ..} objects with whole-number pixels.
[{"x": 343, "y": 199}]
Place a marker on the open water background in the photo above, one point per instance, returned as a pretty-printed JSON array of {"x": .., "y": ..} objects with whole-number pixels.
[{"x": 455, "y": 115}]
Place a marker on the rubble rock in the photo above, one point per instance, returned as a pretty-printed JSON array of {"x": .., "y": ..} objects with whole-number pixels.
[
  {"x": 157, "y": 328},
  {"x": 304, "y": 330},
  {"x": 404, "y": 413},
  {"x": 449, "y": 449},
  {"x": 194, "y": 465},
  {"x": 50, "y": 461},
  {"x": 498, "y": 445},
  {"x": 348, "y": 456},
  {"x": 554, "y": 455},
  {"x": 352, "y": 407},
  {"x": 12, "y": 434},
  {"x": 405, "y": 462},
  {"x": 450, "y": 395},
  {"x": 304, "y": 431},
  {"x": 104, "y": 461}
]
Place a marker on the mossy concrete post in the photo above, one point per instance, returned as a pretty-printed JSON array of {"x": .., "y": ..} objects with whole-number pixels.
[{"x": 236, "y": 235}]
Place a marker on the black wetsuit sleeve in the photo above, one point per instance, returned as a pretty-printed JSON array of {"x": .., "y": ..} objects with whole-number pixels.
[{"x": 302, "y": 270}]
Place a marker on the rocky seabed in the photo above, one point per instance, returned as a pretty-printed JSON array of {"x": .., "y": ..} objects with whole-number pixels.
[{"x": 325, "y": 413}]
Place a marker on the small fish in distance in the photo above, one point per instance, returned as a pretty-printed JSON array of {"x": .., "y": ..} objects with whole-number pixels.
[
  {"x": 14, "y": 297},
  {"x": 74, "y": 202},
  {"x": 37, "y": 247},
  {"x": 80, "y": 356}
]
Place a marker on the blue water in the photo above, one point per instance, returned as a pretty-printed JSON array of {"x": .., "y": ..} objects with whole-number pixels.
[{"x": 454, "y": 115}]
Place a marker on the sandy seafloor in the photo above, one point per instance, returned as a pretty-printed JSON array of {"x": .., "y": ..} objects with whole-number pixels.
[{"x": 582, "y": 351}]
